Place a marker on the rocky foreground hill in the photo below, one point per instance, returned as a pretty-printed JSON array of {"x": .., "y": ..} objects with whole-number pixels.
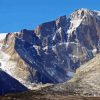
[{"x": 53, "y": 52}]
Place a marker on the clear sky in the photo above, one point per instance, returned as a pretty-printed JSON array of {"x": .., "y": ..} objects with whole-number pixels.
[{"x": 19, "y": 14}]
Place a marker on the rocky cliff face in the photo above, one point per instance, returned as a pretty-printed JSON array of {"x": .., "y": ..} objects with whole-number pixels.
[{"x": 54, "y": 50}]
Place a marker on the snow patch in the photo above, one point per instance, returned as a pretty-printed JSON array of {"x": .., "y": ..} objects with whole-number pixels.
[
  {"x": 45, "y": 48},
  {"x": 4, "y": 65},
  {"x": 74, "y": 24},
  {"x": 2, "y": 35},
  {"x": 70, "y": 74}
]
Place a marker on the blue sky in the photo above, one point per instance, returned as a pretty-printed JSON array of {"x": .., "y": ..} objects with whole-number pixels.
[{"x": 19, "y": 14}]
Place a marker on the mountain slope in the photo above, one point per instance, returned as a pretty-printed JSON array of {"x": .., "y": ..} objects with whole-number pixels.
[
  {"x": 87, "y": 77},
  {"x": 85, "y": 81},
  {"x": 85, "y": 85}
]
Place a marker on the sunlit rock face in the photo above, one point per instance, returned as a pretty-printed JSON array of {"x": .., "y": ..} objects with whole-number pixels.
[{"x": 53, "y": 51}]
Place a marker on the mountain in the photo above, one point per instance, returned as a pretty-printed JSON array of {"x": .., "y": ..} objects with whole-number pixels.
[{"x": 53, "y": 51}]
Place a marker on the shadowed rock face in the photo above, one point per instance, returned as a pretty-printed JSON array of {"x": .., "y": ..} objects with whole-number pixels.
[
  {"x": 9, "y": 84},
  {"x": 54, "y": 50}
]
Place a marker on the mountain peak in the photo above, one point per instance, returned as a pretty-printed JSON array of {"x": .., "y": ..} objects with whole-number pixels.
[
  {"x": 84, "y": 9},
  {"x": 81, "y": 13}
]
